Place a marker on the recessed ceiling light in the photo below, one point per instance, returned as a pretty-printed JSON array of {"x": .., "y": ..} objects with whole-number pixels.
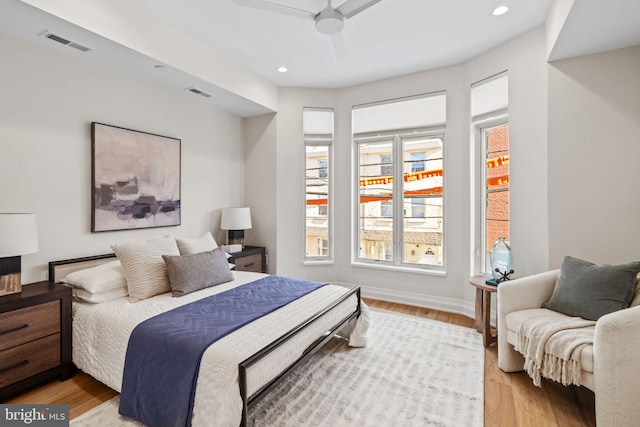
[
  {"x": 282, "y": 69},
  {"x": 500, "y": 10}
]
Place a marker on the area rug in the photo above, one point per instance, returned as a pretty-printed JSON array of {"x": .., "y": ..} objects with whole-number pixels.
[{"x": 414, "y": 372}]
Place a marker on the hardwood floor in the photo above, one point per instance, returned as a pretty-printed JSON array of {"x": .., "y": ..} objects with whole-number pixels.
[{"x": 510, "y": 399}]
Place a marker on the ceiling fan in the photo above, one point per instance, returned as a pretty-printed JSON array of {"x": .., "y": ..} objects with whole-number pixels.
[{"x": 328, "y": 20}]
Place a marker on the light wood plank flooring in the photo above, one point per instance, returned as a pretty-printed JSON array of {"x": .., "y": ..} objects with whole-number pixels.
[{"x": 510, "y": 399}]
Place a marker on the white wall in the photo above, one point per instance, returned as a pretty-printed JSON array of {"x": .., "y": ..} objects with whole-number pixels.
[
  {"x": 290, "y": 200},
  {"x": 524, "y": 60},
  {"x": 594, "y": 157},
  {"x": 260, "y": 189},
  {"x": 47, "y": 104},
  {"x": 524, "y": 57}
]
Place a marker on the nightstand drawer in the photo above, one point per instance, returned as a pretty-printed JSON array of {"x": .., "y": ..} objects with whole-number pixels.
[
  {"x": 249, "y": 263},
  {"x": 28, "y": 359},
  {"x": 27, "y": 324}
]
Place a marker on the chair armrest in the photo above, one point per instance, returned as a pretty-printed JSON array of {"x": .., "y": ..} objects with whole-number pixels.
[
  {"x": 616, "y": 375},
  {"x": 520, "y": 294},
  {"x": 527, "y": 292}
]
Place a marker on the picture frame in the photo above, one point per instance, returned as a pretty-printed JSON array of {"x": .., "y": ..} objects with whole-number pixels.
[{"x": 135, "y": 179}]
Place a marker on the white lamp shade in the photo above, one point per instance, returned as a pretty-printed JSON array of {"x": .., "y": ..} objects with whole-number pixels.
[
  {"x": 18, "y": 234},
  {"x": 236, "y": 219}
]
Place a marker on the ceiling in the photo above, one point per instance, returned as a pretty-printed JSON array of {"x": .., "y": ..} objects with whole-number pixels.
[{"x": 391, "y": 38}]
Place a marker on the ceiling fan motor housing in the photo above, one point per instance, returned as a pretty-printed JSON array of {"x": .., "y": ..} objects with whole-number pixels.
[{"x": 329, "y": 21}]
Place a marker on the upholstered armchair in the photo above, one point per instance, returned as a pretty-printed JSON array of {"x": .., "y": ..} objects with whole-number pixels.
[{"x": 608, "y": 367}]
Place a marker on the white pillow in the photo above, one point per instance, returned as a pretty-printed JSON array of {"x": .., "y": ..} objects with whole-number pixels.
[
  {"x": 104, "y": 277},
  {"x": 143, "y": 266},
  {"x": 99, "y": 297},
  {"x": 206, "y": 243}
]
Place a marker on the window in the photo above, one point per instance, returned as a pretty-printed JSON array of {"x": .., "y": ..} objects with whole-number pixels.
[
  {"x": 496, "y": 214},
  {"x": 318, "y": 139},
  {"x": 323, "y": 166},
  {"x": 386, "y": 209},
  {"x": 417, "y": 161},
  {"x": 489, "y": 108},
  {"x": 400, "y": 208},
  {"x": 386, "y": 165}
]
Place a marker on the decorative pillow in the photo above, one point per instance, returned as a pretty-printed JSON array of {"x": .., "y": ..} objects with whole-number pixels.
[
  {"x": 590, "y": 291},
  {"x": 190, "y": 273},
  {"x": 104, "y": 277},
  {"x": 143, "y": 266},
  {"x": 99, "y": 297},
  {"x": 206, "y": 243}
]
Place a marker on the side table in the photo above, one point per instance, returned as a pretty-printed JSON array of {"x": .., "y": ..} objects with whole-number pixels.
[
  {"x": 35, "y": 337},
  {"x": 483, "y": 307},
  {"x": 251, "y": 258}
]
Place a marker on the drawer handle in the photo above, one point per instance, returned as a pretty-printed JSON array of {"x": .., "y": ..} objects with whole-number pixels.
[
  {"x": 250, "y": 264},
  {"x": 8, "y": 331},
  {"x": 17, "y": 365}
]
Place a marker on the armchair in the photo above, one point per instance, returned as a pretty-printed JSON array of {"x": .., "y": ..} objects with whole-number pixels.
[{"x": 608, "y": 367}]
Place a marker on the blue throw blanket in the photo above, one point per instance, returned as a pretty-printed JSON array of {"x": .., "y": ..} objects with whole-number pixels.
[{"x": 164, "y": 352}]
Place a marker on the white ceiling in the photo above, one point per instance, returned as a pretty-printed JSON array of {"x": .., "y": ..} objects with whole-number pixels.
[{"x": 391, "y": 38}]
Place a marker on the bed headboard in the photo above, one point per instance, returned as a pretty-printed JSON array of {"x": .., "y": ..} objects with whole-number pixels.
[{"x": 59, "y": 269}]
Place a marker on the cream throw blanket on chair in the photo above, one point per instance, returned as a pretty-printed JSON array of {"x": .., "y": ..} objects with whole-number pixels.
[{"x": 552, "y": 347}]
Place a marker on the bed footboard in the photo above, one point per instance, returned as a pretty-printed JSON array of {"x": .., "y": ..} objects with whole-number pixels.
[{"x": 249, "y": 401}]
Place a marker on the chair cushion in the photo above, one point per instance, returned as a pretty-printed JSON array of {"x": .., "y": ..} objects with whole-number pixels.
[
  {"x": 515, "y": 319},
  {"x": 590, "y": 291},
  {"x": 636, "y": 298}
]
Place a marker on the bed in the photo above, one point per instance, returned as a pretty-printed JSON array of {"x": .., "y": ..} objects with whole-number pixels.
[{"x": 235, "y": 371}]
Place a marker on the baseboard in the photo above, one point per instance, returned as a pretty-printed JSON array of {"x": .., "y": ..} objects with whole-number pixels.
[{"x": 450, "y": 305}]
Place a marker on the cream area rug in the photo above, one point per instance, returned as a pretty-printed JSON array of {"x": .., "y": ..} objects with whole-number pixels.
[{"x": 414, "y": 372}]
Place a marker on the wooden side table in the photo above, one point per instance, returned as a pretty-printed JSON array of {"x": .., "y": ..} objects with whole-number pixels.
[
  {"x": 251, "y": 258},
  {"x": 483, "y": 308},
  {"x": 35, "y": 337}
]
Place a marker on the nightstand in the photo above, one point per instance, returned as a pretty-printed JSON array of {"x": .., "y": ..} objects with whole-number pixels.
[
  {"x": 35, "y": 337},
  {"x": 251, "y": 258}
]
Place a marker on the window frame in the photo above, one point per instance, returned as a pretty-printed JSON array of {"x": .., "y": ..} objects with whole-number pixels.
[
  {"x": 320, "y": 142},
  {"x": 480, "y": 127},
  {"x": 396, "y": 138}
]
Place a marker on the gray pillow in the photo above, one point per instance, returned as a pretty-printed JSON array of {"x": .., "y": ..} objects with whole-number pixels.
[
  {"x": 190, "y": 273},
  {"x": 590, "y": 291}
]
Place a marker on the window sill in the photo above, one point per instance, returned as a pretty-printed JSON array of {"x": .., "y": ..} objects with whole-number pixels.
[
  {"x": 399, "y": 268},
  {"x": 318, "y": 262}
]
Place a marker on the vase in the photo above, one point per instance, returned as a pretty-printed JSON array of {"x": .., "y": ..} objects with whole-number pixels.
[{"x": 501, "y": 258}]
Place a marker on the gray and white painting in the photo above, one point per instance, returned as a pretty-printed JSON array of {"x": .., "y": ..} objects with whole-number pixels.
[{"x": 136, "y": 179}]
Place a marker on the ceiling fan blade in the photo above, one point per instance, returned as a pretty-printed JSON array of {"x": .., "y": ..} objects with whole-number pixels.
[
  {"x": 339, "y": 47},
  {"x": 353, "y": 7},
  {"x": 277, "y": 8}
]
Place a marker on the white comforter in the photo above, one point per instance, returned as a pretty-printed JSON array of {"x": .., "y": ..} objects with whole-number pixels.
[{"x": 101, "y": 334}]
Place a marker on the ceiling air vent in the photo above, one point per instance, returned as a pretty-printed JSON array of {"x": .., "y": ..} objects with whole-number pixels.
[
  {"x": 64, "y": 41},
  {"x": 199, "y": 92}
]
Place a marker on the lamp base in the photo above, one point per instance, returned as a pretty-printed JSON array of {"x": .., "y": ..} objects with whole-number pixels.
[
  {"x": 10, "y": 277},
  {"x": 235, "y": 237}
]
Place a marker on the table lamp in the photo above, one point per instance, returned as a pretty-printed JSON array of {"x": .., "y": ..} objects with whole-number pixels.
[
  {"x": 235, "y": 220},
  {"x": 18, "y": 236}
]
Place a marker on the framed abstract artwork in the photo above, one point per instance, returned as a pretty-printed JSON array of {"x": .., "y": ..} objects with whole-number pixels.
[{"x": 135, "y": 179}]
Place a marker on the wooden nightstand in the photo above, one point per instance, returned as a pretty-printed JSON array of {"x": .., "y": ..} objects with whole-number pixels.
[
  {"x": 35, "y": 337},
  {"x": 251, "y": 258}
]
